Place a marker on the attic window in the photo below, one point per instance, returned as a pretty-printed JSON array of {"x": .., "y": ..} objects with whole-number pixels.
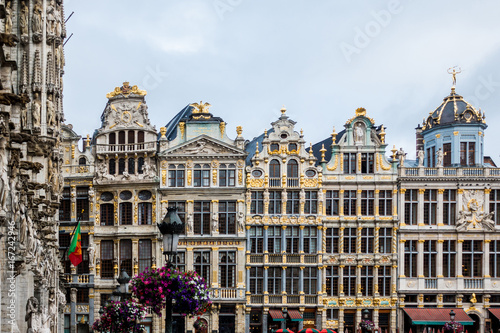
[
  {"x": 82, "y": 161},
  {"x": 292, "y": 147},
  {"x": 275, "y": 147},
  {"x": 284, "y": 135}
]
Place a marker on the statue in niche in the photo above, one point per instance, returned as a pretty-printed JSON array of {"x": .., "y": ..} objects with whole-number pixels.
[
  {"x": 50, "y": 112},
  {"x": 91, "y": 252},
  {"x": 190, "y": 222},
  {"x": 24, "y": 117},
  {"x": 241, "y": 222},
  {"x": 440, "y": 157},
  {"x": 359, "y": 133},
  {"x": 51, "y": 18},
  {"x": 36, "y": 109},
  {"x": 36, "y": 20},
  {"x": 215, "y": 222},
  {"x": 421, "y": 157},
  {"x": 8, "y": 18},
  {"x": 23, "y": 18}
]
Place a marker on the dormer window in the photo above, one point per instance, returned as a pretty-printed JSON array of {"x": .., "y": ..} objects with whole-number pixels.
[
  {"x": 367, "y": 163},
  {"x": 275, "y": 147},
  {"x": 292, "y": 147}
]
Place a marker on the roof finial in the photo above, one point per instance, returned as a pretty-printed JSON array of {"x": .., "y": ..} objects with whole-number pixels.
[
  {"x": 454, "y": 73},
  {"x": 283, "y": 109}
]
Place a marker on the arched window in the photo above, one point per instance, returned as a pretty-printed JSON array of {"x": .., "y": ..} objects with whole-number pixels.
[
  {"x": 131, "y": 166},
  {"x": 292, "y": 169},
  {"x": 274, "y": 169},
  {"x": 140, "y": 139},
  {"x": 112, "y": 141},
  {"x": 140, "y": 163},
  {"x": 121, "y": 166},
  {"x": 112, "y": 166},
  {"x": 131, "y": 140},
  {"x": 82, "y": 161},
  {"x": 121, "y": 139}
]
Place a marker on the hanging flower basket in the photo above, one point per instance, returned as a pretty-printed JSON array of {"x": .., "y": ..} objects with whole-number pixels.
[
  {"x": 453, "y": 327},
  {"x": 121, "y": 316},
  {"x": 367, "y": 325},
  {"x": 200, "y": 324},
  {"x": 188, "y": 291}
]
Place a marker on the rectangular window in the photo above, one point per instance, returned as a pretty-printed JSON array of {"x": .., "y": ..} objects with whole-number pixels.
[
  {"x": 332, "y": 280},
  {"x": 256, "y": 280},
  {"x": 274, "y": 202},
  {"x": 430, "y": 207},
  {"x": 292, "y": 280},
  {"x": 385, "y": 240},
  {"x": 495, "y": 258},
  {"x": 180, "y": 261},
  {"x": 430, "y": 253},
  {"x": 227, "y": 269},
  {"x": 202, "y": 264},
  {"x": 67, "y": 323},
  {"x": 201, "y": 176},
  {"x": 256, "y": 235},
  {"x": 495, "y": 205},
  {"x": 107, "y": 255},
  {"x": 65, "y": 207},
  {"x": 431, "y": 157},
  {"x": 411, "y": 206},
  {"x": 107, "y": 214},
  {"x": 292, "y": 239},
  {"x": 227, "y": 177},
  {"x": 349, "y": 281},
  {"x": 176, "y": 176},
  {"x": 332, "y": 203},
  {"x": 82, "y": 295},
  {"x": 367, "y": 162},
  {"x": 367, "y": 239},
  {"x": 385, "y": 203},
  {"x": 467, "y": 153},
  {"x": 350, "y": 203},
  {"x": 201, "y": 218},
  {"x": 411, "y": 258},
  {"x": 274, "y": 239},
  {"x": 350, "y": 240},
  {"x": 227, "y": 217},
  {"x": 293, "y": 202},
  {"x": 449, "y": 206},
  {"x": 367, "y": 280},
  {"x": 126, "y": 256},
  {"x": 311, "y": 205},
  {"x": 257, "y": 204},
  {"x": 384, "y": 280},
  {"x": 472, "y": 258},
  {"x": 181, "y": 210},
  {"x": 145, "y": 212},
  {"x": 332, "y": 240},
  {"x": 274, "y": 280},
  {"x": 367, "y": 203},
  {"x": 310, "y": 240},
  {"x": 144, "y": 254},
  {"x": 449, "y": 258},
  {"x": 82, "y": 203},
  {"x": 310, "y": 280},
  {"x": 447, "y": 154},
  {"x": 350, "y": 163},
  {"x": 126, "y": 213}
]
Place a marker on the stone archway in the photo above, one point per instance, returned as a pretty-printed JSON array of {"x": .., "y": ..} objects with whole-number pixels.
[
  {"x": 476, "y": 328},
  {"x": 205, "y": 325}
]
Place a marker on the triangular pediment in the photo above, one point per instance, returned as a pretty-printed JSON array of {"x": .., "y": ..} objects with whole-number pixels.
[{"x": 203, "y": 145}]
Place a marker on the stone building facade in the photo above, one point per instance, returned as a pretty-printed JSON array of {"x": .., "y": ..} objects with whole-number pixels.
[
  {"x": 31, "y": 66},
  {"x": 288, "y": 235},
  {"x": 449, "y": 217}
]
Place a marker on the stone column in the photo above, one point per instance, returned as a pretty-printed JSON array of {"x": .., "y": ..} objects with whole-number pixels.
[
  {"x": 189, "y": 258},
  {"x": 215, "y": 267},
  {"x": 358, "y": 202},
  {"x": 394, "y": 321},
  {"x": 486, "y": 205},
  {"x": 73, "y": 292},
  {"x": 420, "y": 258},
  {"x": 401, "y": 258},
  {"x": 266, "y": 277},
  {"x": 341, "y": 240},
  {"x": 301, "y": 280},
  {"x": 283, "y": 239},
  {"x": 190, "y": 217},
  {"x": 247, "y": 317},
  {"x": 283, "y": 281},
  {"x": 301, "y": 239},
  {"x": 341, "y": 320},
  {"x": 459, "y": 258},
  {"x": 265, "y": 316},
  {"x": 341, "y": 280},
  {"x": 376, "y": 236},
  {"x": 375, "y": 280},
  {"x": 74, "y": 215},
  {"x": 401, "y": 204},
  {"x": 319, "y": 284},
  {"x": 214, "y": 218},
  {"x": 439, "y": 259},
  {"x": 91, "y": 306},
  {"x": 440, "y": 210},
  {"x": 341, "y": 203},
  {"x": 486, "y": 256},
  {"x": 420, "y": 211},
  {"x": 265, "y": 241}
]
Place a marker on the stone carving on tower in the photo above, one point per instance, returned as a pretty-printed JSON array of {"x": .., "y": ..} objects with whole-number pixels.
[{"x": 30, "y": 160}]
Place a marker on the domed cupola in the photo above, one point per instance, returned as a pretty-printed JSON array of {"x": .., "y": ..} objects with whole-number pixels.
[{"x": 453, "y": 133}]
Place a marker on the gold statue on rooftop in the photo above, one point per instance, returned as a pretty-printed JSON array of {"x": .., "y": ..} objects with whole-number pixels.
[
  {"x": 200, "y": 107},
  {"x": 454, "y": 73}
]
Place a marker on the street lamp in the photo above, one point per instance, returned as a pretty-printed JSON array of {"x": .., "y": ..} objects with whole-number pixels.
[
  {"x": 121, "y": 291},
  {"x": 452, "y": 315},
  {"x": 170, "y": 227}
]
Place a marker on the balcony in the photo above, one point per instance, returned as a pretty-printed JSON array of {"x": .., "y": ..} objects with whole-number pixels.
[
  {"x": 79, "y": 278},
  {"x": 256, "y": 259},
  {"x": 292, "y": 182},
  {"x": 78, "y": 169},
  {"x": 257, "y": 299},
  {"x": 129, "y": 147},
  {"x": 449, "y": 172},
  {"x": 473, "y": 283},
  {"x": 275, "y": 182},
  {"x": 431, "y": 283},
  {"x": 275, "y": 258},
  {"x": 293, "y": 258}
]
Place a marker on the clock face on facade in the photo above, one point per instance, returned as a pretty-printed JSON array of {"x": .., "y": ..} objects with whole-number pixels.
[{"x": 126, "y": 116}]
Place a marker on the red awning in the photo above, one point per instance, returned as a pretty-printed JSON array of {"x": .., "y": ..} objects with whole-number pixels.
[
  {"x": 277, "y": 315},
  {"x": 495, "y": 312},
  {"x": 295, "y": 315},
  {"x": 425, "y": 316}
]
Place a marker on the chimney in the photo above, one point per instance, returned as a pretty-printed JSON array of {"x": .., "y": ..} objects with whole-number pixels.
[{"x": 419, "y": 138}]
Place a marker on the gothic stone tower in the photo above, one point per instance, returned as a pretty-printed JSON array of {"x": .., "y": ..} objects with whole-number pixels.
[{"x": 31, "y": 66}]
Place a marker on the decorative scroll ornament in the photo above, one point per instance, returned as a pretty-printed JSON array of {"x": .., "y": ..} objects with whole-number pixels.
[{"x": 126, "y": 90}]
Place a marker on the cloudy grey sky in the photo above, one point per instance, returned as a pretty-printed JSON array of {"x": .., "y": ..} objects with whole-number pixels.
[{"x": 322, "y": 59}]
